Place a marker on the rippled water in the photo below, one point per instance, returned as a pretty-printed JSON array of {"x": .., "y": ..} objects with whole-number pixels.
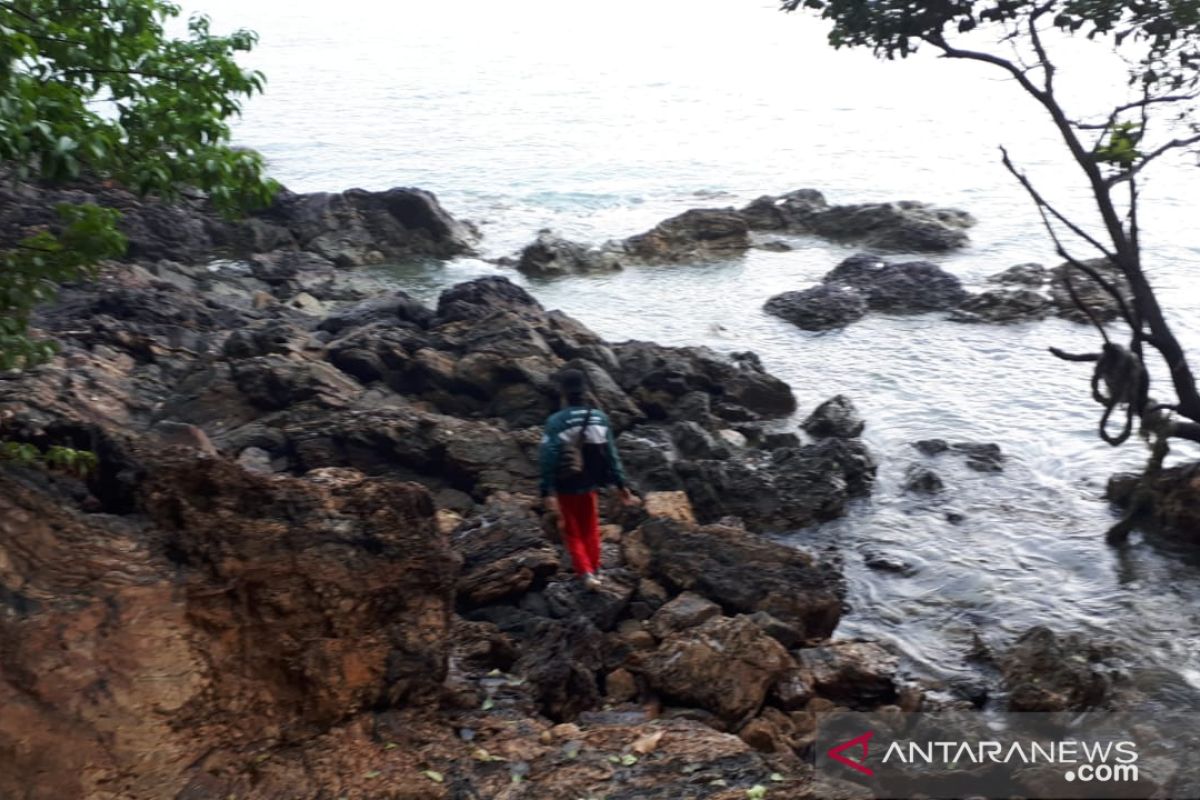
[{"x": 601, "y": 119}]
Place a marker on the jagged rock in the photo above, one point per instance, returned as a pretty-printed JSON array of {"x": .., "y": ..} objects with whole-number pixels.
[
  {"x": 860, "y": 675},
  {"x": 1174, "y": 498},
  {"x": 693, "y": 441},
  {"x": 397, "y": 309},
  {"x": 359, "y": 227},
  {"x": 836, "y": 417},
  {"x": 819, "y": 308},
  {"x": 725, "y": 665},
  {"x": 1046, "y": 672},
  {"x": 348, "y": 229},
  {"x": 787, "y": 635},
  {"x": 743, "y": 573},
  {"x": 656, "y": 376},
  {"x": 1034, "y": 275},
  {"x": 702, "y": 233},
  {"x": 1102, "y": 304},
  {"x": 1019, "y": 305},
  {"x": 186, "y": 611},
  {"x": 905, "y": 226},
  {"x": 784, "y": 489},
  {"x": 550, "y": 255},
  {"x": 908, "y": 287},
  {"x": 686, "y": 611},
  {"x": 922, "y": 480},
  {"x": 504, "y": 554},
  {"x": 620, "y": 686}
]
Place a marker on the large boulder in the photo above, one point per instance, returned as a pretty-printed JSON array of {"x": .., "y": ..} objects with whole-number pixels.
[
  {"x": 551, "y": 255},
  {"x": 725, "y": 665},
  {"x": 836, "y": 417},
  {"x": 699, "y": 234},
  {"x": 739, "y": 388},
  {"x": 360, "y": 227},
  {"x": 1174, "y": 499},
  {"x": 908, "y": 287},
  {"x": 1044, "y": 671},
  {"x": 741, "y": 572},
  {"x": 505, "y": 553},
  {"x": 227, "y": 610},
  {"x": 860, "y": 675},
  {"x": 785, "y": 489},
  {"x": 904, "y": 226},
  {"x": 818, "y": 308}
]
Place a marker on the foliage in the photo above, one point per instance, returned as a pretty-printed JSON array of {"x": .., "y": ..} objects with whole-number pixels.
[
  {"x": 97, "y": 89},
  {"x": 62, "y": 459}
]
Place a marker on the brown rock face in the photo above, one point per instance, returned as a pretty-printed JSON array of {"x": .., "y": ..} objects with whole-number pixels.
[
  {"x": 232, "y": 610},
  {"x": 725, "y": 665}
]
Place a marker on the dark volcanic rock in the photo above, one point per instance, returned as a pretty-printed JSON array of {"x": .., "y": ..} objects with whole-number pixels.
[
  {"x": 922, "y": 480},
  {"x": 903, "y": 226},
  {"x": 702, "y": 233},
  {"x": 819, "y": 308},
  {"x": 1174, "y": 495},
  {"x": 398, "y": 309},
  {"x": 861, "y": 675},
  {"x": 346, "y": 229},
  {"x": 836, "y": 417},
  {"x": 743, "y": 573},
  {"x": 1009, "y": 305},
  {"x": 785, "y": 489},
  {"x": 1033, "y": 275},
  {"x": 908, "y": 287},
  {"x": 550, "y": 255}
]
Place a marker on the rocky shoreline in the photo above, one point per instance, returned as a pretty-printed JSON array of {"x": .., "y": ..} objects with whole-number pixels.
[{"x": 310, "y": 561}]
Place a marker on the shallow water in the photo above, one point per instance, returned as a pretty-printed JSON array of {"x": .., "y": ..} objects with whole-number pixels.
[{"x": 601, "y": 120}]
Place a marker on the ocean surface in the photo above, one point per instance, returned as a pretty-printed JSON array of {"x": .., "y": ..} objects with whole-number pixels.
[{"x": 599, "y": 120}]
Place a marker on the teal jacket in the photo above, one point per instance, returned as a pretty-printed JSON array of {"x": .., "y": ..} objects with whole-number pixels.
[{"x": 564, "y": 427}]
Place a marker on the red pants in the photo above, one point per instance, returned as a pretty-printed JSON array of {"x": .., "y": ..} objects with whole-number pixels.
[{"x": 581, "y": 530}]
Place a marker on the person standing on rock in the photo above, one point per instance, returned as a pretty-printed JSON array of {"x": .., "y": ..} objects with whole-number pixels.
[{"x": 578, "y": 456}]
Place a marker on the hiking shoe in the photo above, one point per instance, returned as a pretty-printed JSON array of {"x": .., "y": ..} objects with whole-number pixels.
[{"x": 591, "y": 582}]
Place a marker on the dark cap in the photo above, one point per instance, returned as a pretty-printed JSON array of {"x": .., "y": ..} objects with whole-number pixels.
[{"x": 572, "y": 382}]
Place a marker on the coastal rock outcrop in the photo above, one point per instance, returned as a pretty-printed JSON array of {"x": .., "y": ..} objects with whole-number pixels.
[
  {"x": 698, "y": 234},
  {"x": 904, "y": 226},
  {"x": 346, "y": 229}
]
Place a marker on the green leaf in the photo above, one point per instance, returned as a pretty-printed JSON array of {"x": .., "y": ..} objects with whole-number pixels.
[
  {"x": 628, "y": 760},
  {"x": 756, "y": 792},
  {"x": 434, "y": 775}
]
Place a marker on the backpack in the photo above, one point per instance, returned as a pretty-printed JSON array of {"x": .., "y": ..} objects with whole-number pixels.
[{"x": 582, "y": 465}]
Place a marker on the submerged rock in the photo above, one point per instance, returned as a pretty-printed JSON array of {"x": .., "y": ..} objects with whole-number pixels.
[
  {"x": 836, "y": 417},
  {"x": 903, "y": 226},
  {"x": 551, "y": 255},
  {"x": 1034, "y": 275},
  {"x": 1019, "y": 305},
  {"x": 819, "y": 308},
  {"x": 699, "y": 234},
  {"x": 908, "y": 287},
  {"x": 1043, "y": 671}
]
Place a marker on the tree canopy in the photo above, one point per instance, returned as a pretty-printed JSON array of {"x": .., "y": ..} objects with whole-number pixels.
[{"x": 97, "y": 89}]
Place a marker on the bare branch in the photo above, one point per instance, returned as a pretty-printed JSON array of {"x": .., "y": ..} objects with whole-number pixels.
[{"x": 1043, "y": 203}]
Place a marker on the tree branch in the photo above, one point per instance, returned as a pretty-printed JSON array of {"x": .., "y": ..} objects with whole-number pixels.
[{"x": 1174, "y": 144}]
